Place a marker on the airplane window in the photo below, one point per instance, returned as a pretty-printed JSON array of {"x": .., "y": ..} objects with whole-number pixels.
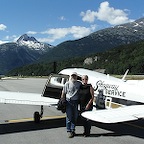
[
  {"x": 59, "y": 80},
  {"x": 64, "y": 80}
]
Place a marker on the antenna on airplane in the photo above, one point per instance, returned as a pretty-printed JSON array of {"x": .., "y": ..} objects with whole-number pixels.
[{"x": 123, "y": 78}]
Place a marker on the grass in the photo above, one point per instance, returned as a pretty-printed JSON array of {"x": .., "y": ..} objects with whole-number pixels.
[{"x": 131, "y": 77}]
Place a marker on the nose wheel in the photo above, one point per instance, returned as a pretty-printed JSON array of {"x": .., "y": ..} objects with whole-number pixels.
[{"x": 38, "y": 116}]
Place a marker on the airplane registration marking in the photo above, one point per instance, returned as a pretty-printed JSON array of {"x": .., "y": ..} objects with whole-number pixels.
[{"x": 31, "y": 119}]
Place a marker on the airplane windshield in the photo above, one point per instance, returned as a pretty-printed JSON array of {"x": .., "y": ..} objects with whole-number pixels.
[{"x": 60, "y": 81}]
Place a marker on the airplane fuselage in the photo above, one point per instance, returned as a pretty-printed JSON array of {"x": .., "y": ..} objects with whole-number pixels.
[{"x": 116, "y": 90}]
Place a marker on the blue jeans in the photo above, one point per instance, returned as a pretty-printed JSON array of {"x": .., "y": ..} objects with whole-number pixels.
[{"x": 71, "y": 115}]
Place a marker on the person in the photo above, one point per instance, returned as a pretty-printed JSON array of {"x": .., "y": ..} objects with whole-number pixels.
[
  {"x": 86, "y": 93},
  {"x": 70, "y": 91}
]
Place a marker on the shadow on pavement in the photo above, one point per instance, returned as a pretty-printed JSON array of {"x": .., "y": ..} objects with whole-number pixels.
[{"x": 31, "y": 126}]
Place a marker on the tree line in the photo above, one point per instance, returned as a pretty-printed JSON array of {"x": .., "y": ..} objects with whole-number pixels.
[{"x": 114, "y": 61}]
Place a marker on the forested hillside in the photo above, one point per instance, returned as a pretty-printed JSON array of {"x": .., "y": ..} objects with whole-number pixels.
[
  {"x": 27, "y": 50},
  {"x": 114, "y": 61}
]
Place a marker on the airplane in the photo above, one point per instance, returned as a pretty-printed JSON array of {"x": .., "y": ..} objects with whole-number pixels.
[{"x": 124, "y": 101}]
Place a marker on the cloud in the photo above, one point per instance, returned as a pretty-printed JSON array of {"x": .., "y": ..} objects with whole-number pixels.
[
  {"x": 106, "y": 13},
  {"x": 8, "y": 39},
  {"x": 2, "y": 42},
  {"x": 2, "y": 27},
  {"x": 79, "y": 32},
  {"x": 89, "y": 16},
  {"x": 31, "y": 32},
  {"x": 54, "y": 34},
  {"x": 60, "y": 33},
  {"x": 62, "y": 18}
]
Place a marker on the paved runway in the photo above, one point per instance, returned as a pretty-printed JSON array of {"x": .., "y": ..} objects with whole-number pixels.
[{"x": 17, "y": 127}]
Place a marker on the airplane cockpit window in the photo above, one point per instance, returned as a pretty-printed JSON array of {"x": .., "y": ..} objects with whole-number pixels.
[
  {"x": 64, "y": 80},
  {"x": 60, "y": 81}
]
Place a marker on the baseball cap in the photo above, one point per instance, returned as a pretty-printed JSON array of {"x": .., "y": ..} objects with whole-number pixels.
[{"x": 74, "y": 73}]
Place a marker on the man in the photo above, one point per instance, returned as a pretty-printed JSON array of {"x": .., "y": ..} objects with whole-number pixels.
[{"x": 70, "y": 91}]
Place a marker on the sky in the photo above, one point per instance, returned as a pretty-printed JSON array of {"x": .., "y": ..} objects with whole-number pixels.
[{"x": 56, "y": 21}]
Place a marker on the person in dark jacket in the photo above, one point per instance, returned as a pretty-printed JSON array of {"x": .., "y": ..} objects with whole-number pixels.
[{"x": 86, "y": 94}]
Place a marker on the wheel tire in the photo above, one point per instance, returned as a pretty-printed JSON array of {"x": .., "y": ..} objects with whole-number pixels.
[{"x": 36, "y": 117}]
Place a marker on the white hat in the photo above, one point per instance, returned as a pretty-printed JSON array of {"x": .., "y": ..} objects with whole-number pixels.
[{"x": 74, "y": 73}]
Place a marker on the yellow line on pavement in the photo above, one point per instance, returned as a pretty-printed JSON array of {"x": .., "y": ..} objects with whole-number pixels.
[{"x": 32, "y": 119}]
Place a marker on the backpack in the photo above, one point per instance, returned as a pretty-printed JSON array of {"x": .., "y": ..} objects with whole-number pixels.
[{"x": 61, "y": 105}]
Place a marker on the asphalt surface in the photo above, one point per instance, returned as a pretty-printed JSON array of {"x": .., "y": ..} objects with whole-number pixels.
[{"x": 17, "y": 126}]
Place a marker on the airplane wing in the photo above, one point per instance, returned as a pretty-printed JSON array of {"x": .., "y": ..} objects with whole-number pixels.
[
  {"x": 50, "y": 95},
  {"x": 25, "y": 98},
  {"x": 121, "y": 114}
]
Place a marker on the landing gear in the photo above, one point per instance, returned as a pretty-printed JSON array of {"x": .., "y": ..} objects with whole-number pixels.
[{"x": 38, "y": 115}]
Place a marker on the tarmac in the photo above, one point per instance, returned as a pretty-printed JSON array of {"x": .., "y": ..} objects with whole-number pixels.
[{"x": 17, "y": 125}]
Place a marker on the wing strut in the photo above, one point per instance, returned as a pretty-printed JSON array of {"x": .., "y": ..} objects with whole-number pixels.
[{"x": 123, "y": 78}]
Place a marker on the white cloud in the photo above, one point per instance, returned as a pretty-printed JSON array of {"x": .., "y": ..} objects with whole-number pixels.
[
  {"x": 62, "y": 18},
  {"x": 46, "y": 40},
  {"x": 79, "y": 32},
  {"x": 106, "y": 13},
  {"x": 9, "y": 38},
  {"x": 74, "y": 31},
  {"x": 2, "y": 27},
  {"x": 2, "y": 42},
  {"x": 54, "y": 34},
  {"x": 31, "y": 32},
  {"x": 89, "y": 16}
]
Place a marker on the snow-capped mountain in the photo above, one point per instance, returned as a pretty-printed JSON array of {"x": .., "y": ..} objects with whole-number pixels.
[
  {"x": 31, "y": 42},
  {"x": 24, "y": 51}
]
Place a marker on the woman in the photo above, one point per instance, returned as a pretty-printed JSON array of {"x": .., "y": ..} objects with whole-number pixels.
[{"x": 86, "y": 94}]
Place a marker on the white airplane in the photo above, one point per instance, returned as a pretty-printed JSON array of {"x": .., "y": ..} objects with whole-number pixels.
[{"x": 124, "y": 100}]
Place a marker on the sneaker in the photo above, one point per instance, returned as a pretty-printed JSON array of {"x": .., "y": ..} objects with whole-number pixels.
[
  {"x": 73, "y": 133},
  {"x": 70, "y": 135},
  {"x": 86, "y": 134}
]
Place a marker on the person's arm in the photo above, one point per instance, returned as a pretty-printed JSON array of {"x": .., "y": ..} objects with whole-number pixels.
[
  {"x": 62, "y": 94},
  {"x": 64, "y": 91}
]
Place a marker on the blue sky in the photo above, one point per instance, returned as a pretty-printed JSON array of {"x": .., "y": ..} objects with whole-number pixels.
[{"x": 55, "y": 21}]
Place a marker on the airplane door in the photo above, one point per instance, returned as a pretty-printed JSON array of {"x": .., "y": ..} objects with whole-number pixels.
[{"x": 54, "y": 85}]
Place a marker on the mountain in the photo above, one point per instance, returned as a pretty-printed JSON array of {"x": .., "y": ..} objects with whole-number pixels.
[
  {"x": 32, "y": 43},
  {"x": 113, "y": 61},
  {"x": 28, "y": 50},
  {"x": 24, "y": 51},
  {"x": 98, "y": 41}
]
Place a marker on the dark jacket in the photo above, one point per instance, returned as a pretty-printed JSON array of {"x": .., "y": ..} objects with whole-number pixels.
[{"x": 85, "y": 96}]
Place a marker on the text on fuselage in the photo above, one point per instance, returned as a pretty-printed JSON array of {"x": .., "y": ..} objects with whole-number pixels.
[{"x": 109, "y": 89}]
